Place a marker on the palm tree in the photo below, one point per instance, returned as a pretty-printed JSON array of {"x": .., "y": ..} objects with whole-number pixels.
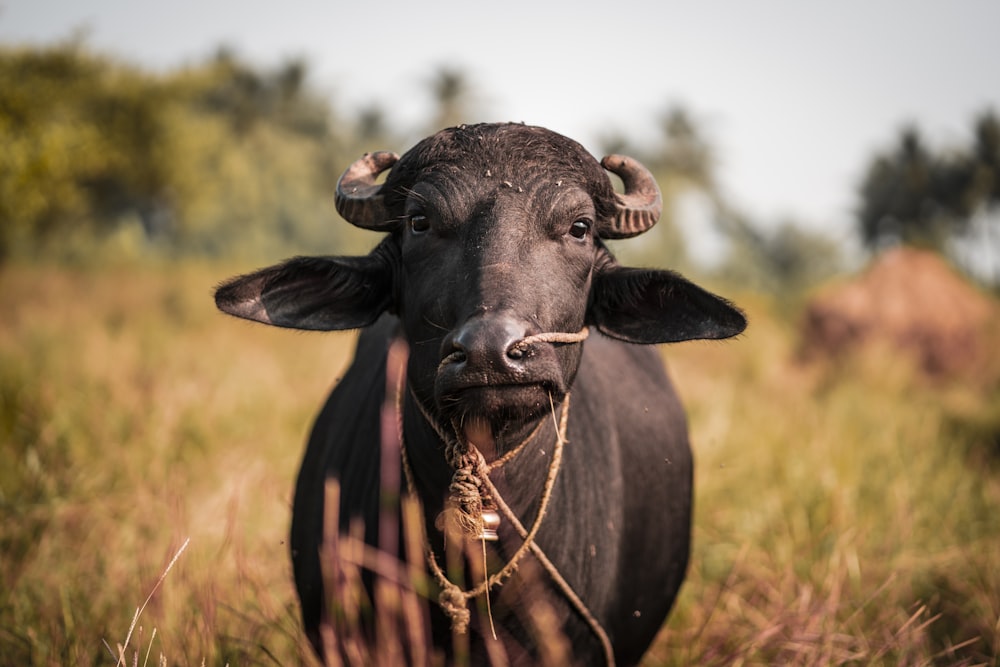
[{"x": 452, "y": 94}]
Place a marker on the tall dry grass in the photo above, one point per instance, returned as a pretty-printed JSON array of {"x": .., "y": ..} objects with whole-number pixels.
[
  {"x": 133, "y": 417},
  {"x": 842, "y": 517},
  {"x": 848, "y": 514}
]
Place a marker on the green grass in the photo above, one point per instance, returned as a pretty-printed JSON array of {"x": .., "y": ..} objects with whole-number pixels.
[{"x": 843, "y": 516}]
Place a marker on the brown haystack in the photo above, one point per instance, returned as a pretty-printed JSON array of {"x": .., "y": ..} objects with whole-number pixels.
[{"x": 909, "y": 300}]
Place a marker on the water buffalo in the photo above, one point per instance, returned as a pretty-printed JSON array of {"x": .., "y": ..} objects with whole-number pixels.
[{"x": 493, "y": 268}]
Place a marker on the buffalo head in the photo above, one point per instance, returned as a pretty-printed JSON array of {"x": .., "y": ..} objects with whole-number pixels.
[{"x": 494, "y": 234}]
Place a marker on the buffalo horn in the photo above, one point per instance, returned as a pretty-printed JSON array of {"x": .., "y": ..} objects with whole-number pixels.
[
  {"x": 359, "y": 199},
  {"x": 639, "y": 207}
]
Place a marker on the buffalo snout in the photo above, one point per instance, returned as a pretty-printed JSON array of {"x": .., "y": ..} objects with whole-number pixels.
[
  {"x": 490, "y": 368},
  {"x": 489, "y": 344}
]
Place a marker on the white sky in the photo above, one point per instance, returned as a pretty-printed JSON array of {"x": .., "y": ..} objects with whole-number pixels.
[{"x": 795, "y": 96}]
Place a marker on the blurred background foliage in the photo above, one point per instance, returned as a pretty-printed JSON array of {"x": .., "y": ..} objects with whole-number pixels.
[
  {"x": 99, "y": 159},
  {"x": 945, "y": 200},
  {"x": 103, "y": 161},
  {"x": 845, "y": 514}
]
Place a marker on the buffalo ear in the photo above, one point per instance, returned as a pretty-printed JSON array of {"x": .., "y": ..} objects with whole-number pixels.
[
  {"x": 315, "y": 293},
  {"x": 649, "y": 306}
]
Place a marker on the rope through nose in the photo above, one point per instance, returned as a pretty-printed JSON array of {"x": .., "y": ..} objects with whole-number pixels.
[
  {"x": 550, "y": 337},
  {"x": 563, "y": 337}
]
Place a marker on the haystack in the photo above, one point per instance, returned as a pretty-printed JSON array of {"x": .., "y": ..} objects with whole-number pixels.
[{"x": 908, "y": 300}]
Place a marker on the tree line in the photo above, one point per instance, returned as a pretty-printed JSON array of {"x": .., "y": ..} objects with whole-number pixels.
[
  {"x": 219, "y": 158},
  {"x": 102, "y": 159}
]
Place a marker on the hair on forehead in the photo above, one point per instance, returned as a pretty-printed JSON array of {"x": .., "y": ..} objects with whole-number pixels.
[{"x": 507, "y": 151}]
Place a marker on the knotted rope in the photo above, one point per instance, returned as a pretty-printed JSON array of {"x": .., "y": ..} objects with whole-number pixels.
[
  {"x": 468, "y": 492},
  {"x": 453, "y": 600},
  {"x": 471, "y": 491}
]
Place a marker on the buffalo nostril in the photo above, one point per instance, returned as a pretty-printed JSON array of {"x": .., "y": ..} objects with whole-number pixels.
[
  {"x": 458, "y": 355},
  {"x": 519, "y": 350}
]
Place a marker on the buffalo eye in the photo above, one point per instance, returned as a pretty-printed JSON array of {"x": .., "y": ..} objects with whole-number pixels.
[
  {"x": 419, "y": 223},
  {"x": 579, "y": 228}
]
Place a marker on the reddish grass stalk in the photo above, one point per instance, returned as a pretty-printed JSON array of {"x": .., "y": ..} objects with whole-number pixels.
[{"x": 401, "y": 623}]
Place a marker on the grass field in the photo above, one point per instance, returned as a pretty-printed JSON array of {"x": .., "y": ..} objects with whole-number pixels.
[{"x": 843, "y": 516}]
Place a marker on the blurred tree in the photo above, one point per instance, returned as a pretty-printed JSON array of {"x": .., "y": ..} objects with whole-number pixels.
[
  {"x": 216, "y": 158},
  {"x": 986, "y": 158},
  {"x": 372, "y": 124},
  {"x": 247, "y": 96},
  {"x": 683, "y": 163},
  {"x": 906, "y": 196},
  {"x": 615, "y": 142},
  {"x": 981, "y": 197},
  {"x": 452, "y": 94},
  {"x": 78, "y": 136},
  {"x": 131, "y": 116},
  {"x": 940, "y": 200},
  {"x": 786, "y": 259},
  {"x": 783, "y": 259},
  {"x": 684, "y": 152}
]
